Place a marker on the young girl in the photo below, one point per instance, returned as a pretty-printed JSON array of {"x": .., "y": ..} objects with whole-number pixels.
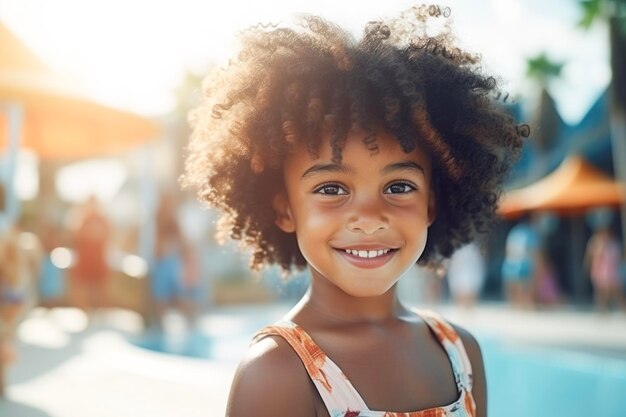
[{"x": 356, "y": 159}]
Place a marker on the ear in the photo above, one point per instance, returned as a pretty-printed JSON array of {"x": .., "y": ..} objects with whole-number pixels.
[
  {"x": 432, "y": 206},
  {"x": 284, "y": 218}
]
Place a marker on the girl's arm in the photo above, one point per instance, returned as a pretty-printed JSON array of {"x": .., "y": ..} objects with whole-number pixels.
[
  {"x": 271, "y": 381},
  {"x": 479, "y": 388}
]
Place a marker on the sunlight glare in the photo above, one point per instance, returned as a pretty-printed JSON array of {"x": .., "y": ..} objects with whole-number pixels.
[
  {"x": 134, "y": 266},
  {"x": 102, "y": 178},
  {"x": 61, "y": 257},
  {"x": 26, "y": 181},
  {"x": 38, "y": 331}
]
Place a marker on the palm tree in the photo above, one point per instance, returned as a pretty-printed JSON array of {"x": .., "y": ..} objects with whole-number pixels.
[
  {"x": 545, "y": 119},
  {"x": 614, "y": 13}
]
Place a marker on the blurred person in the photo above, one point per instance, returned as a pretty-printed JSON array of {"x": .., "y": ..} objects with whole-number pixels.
[
  {"x": 174, "y": 274},
  {"x": 191, "y": 291},
  {"x": 20, "y": 257},
  {"x": 197, "y": 227},
  {"x": 355, "y": 159},
  {"x": 466, "y": 275},
  {"x": 52, "y": 285},
  {"x": 603, "y": 259},
  {"x": 546, "y": 287},
  {"x": 90, "y": 274},
  {"x": 520, "y": 261}
]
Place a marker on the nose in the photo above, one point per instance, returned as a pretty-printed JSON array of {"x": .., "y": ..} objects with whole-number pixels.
[{"x": 367, "y": 217}]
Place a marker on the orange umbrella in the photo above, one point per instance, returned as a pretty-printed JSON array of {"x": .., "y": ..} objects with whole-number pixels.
[
  {"x": 573, "y": 188},
  {"x": 55, "y": 121}
]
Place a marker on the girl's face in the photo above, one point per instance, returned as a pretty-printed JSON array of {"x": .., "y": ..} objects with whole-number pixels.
[{"x": 359, "y": 224}]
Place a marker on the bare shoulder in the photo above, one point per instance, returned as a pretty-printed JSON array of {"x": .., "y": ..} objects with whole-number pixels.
[
  {"x": 479, "y": 389},
  {"x": 271, "y": 381},
  {"x": 470, "y": 343}
]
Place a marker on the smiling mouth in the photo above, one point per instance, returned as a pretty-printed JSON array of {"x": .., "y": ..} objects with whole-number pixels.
[{"x": 367, "y": 258}]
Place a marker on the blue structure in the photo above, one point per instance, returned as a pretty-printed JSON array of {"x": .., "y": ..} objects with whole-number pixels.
[{"x": 589, "y": 138}]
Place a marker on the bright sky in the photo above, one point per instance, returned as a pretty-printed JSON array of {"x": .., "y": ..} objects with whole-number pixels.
[{"x": 132, "y": 53}]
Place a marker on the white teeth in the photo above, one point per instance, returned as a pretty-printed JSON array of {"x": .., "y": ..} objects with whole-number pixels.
[{"x": 367, "y": 254}]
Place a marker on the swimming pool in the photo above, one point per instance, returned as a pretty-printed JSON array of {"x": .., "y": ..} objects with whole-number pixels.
[{"x": 530, "y": 381}]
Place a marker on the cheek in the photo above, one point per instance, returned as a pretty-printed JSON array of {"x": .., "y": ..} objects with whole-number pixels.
[
  {"x": 315, "y": 225},
  {"x": 422, "y": 241},
  {"x": 310, "y": 215},
  {"x": 414, "y": 224}
]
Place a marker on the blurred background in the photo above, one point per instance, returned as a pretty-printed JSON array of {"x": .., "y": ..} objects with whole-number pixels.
[{"x": 115, "y": 298}]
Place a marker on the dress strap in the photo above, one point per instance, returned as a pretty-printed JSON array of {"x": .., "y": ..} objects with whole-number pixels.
[
  {"x": 335, "y": 389},
  {"x": 453, "y": 345}
]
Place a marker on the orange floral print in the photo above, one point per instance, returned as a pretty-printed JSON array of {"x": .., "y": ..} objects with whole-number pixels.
[
  {"x": 431, "y": 412},
  {"x": 446, "y": 331},
  {"x": 470, "y": 405},
  {"x": 310, "y": 353}
]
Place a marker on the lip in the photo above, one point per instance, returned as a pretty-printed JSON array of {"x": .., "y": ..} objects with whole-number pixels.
[
  {"x": 366, "y": 246},
  {"x": 367, "y": 263}
]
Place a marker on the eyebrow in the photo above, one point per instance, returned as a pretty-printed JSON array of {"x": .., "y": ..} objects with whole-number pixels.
[
  {"x": 331, "y": 167},
  {"x": 404, "y": 165},
  {"x": 344, "y": 169}
]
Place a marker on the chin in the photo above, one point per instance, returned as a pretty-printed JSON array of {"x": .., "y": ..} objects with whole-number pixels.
[{"x": 360, "y": 291}]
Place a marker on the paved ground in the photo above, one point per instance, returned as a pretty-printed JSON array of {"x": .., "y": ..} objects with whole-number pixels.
[{"x": 67, "y": 368}]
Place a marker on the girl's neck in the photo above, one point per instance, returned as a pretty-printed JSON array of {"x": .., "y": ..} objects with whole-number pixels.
[{"x": 325, "y": 302}]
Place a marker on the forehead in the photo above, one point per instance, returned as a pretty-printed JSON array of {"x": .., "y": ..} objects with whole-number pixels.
[{"x": 360, "y": 150}]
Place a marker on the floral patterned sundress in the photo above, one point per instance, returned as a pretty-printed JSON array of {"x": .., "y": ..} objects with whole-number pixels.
[{"x": 343, "y": 400}]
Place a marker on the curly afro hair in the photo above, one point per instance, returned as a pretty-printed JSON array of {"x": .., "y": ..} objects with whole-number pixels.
[{"x": 295, "y": 85}]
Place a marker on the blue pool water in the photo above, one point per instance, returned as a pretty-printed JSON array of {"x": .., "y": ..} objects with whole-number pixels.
[
  {"x": 522, "y": 380},
  {"x": 525, "y": 381}
]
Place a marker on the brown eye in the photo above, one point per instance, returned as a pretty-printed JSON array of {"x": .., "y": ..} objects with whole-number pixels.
[
  {"x": 400, "y": 188},
  {"x": 330, "y": 189}
]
